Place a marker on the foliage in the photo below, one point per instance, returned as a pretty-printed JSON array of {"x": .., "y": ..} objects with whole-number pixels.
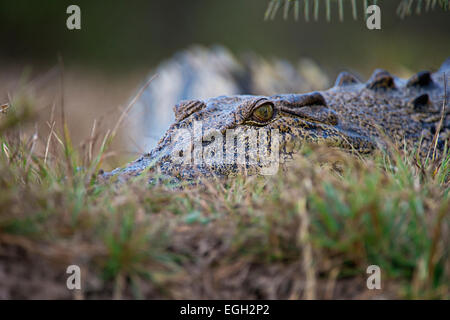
[
  {"x": 405, "y": 7},
  {"x": 308, "y": 232}
]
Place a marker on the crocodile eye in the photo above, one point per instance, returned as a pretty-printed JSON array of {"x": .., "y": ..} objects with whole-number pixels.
[{"x": 264, "y": 112}]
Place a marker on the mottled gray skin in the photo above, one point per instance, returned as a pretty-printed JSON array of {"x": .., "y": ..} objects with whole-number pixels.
[
  {"x": 351, "y": 115},
  {"x": 202, "y": 73}
]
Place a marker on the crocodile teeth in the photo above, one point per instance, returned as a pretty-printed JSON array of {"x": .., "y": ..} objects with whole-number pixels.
[{"x": 381, "y": 79}]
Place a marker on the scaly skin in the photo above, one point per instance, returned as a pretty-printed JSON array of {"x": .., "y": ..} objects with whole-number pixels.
[{"x": 351, "y": 115}]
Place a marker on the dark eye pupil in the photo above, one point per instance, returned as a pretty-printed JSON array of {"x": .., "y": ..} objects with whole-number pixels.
[{"x": 264, "y": 112}]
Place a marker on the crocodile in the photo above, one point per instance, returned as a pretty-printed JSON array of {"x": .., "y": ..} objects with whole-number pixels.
[
  {"x": 210, "y": 135},
  {"x": 200, "y": 72}
]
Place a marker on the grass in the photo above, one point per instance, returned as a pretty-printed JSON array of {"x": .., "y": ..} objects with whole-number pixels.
[{"x": 309, "y": 232}]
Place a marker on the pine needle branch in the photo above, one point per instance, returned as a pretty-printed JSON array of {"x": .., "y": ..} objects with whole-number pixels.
[{"x": 405, "y": 8}]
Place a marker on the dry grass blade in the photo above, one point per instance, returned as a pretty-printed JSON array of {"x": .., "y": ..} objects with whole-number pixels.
[
  {"x": 306, "y": 232},
  {"x": 4, "y": 108},
  {"x": 308, "y": 260},
  {"x": 47, "y": 145},
  {"x": 441, "y": 121},
  {"x": 130, "y": 105},
  {"x": 92, "y": 141}
]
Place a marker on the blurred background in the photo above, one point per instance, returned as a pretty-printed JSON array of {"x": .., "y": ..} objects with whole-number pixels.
[{"x": 121, "y": 42}]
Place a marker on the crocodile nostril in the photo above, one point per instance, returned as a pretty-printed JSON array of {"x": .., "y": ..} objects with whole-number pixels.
[
  {"x": 305, "y": 100},
  {"x": 310, "y": 107}
]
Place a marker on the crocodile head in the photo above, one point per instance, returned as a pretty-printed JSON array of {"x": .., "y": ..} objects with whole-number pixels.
[{"x": 230, "y": 134}]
